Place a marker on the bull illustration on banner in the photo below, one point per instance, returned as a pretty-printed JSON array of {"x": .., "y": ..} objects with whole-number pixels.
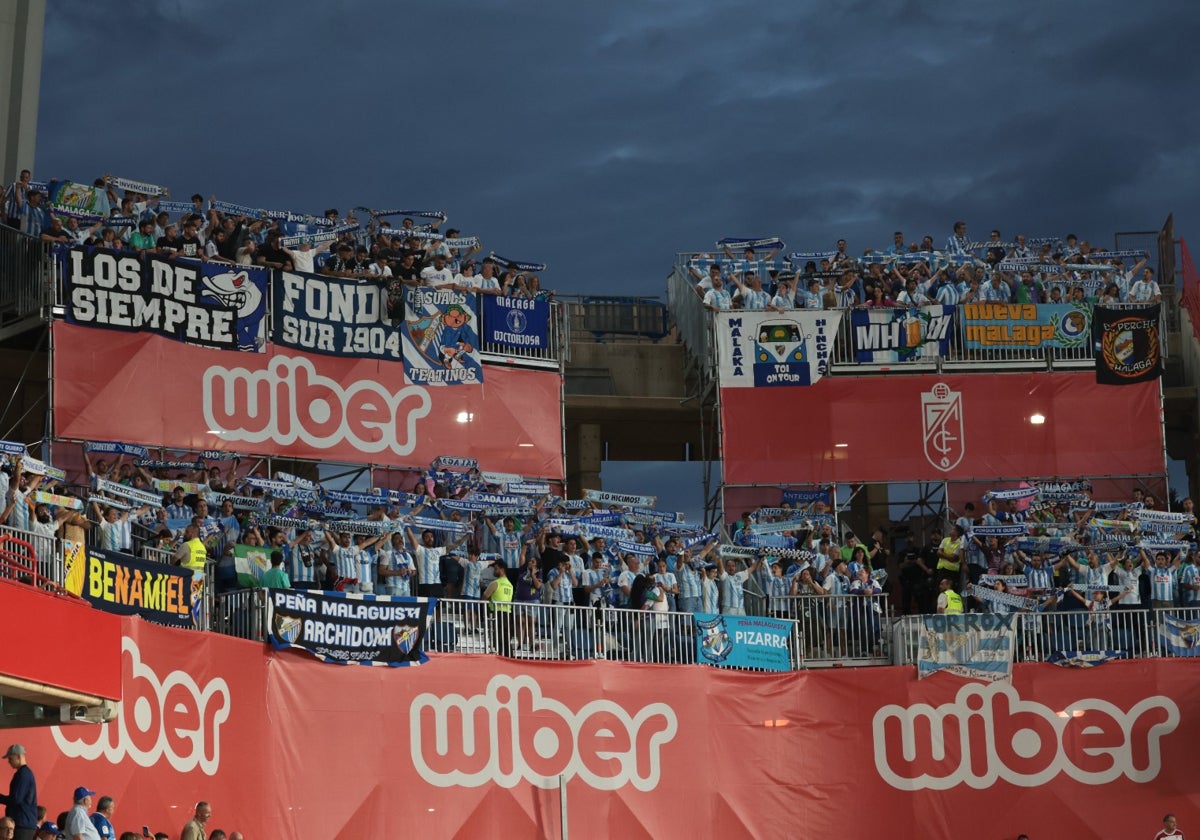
[{"x": 942, "y": 426}]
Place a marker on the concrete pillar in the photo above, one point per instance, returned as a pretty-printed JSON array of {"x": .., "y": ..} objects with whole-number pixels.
[
  {"x": 22, "y": 30},
  {"x": 585, "y": 453}
]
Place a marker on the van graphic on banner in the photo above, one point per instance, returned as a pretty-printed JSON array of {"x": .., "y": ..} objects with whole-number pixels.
[
  {"x": 942, "y": 426},
  {"x": 771, "y": 349}
]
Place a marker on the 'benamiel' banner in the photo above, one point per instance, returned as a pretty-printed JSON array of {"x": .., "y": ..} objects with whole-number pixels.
[
  {"x": 978, "y": 645},
  {"x": 1127, "y": 344},
  {"x": 770, "y": 349},
  {"x": 743, "y": 642},
  {"x": 336, "y": 316},
  {"x": 208, "y": 304},
  {"x": 515, "y": 322},
  {"x": 347, "y": 629},
  {"x": 287, "y": 403},
  {"x": 126, "y": 585},
  {"x": 990, "y": 325},
  {"x": 441, "y": 344},
  {"x": 886, "y": 335}
]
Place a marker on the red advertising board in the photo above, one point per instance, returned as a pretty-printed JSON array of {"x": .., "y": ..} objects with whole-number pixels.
[
  {"x": 932, "y": 428},
  {"x": 473, "y": 746},
  {"x": 145, "y": 389}
]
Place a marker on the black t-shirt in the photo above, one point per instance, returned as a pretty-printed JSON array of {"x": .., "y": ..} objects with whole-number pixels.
[
  {"x": 175, "y": 244},
  {"x": 271, "y": 254},
  {"x": 550, "y": 559},
  {"x": 190, "y": 247}
]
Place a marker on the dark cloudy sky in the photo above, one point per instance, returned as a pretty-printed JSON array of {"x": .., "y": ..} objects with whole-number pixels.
[{"x": 601, "y": 138}]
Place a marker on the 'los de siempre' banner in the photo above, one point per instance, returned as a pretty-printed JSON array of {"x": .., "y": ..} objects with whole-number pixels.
[{"x": 208, "y": 304}]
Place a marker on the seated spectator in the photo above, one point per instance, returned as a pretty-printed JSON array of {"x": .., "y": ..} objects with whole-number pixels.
[{"x": 272, "y": 255}]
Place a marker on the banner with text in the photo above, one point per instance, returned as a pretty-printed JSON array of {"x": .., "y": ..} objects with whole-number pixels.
[
  {"x": 334, "y": 316},
  {"x": 515, "y": 322},
  {"x": 979, "y": 646},
  {"x": 732, "y": 641},
  {"x": 349, "y": 629},
  {"x": 126, "y": 585},
  {"x": 887, "y": 335},
  {"x": 1128, "y": 346},
  {"x": 441, "y": 342},
  {"x": 772, "y": 349},
  {"x": 266, "y": 404},
  {"x": 207, "y": 304},
  {"x": 987, "y": 326}
]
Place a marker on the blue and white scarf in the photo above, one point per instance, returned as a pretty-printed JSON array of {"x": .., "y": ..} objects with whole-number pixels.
[
  {"x": 114, "y": 448},
  {"x": 519, "y": 265},
  {"x": 135, "y": 186}
]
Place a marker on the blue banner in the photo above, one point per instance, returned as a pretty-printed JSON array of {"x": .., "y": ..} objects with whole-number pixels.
[
  {"x": 1083, "y": 658},
  {"x": 990, "y": 325},
  {"x": 214, "y": 304},
  {"x": 333, "y": 316},
  {"x": 732, "y": 641},
  {"x": 1179, "y": 636},
  {"x": 349, "y": 629},
  {"x": 886, "y": 335},
  {"x": 127, "y": 585},
  {"x": 805, "y": 497},
  {"x": 515, "y": 322},
  {"x": 978, "y": 646},
  {"x": 441, "y": 345}
]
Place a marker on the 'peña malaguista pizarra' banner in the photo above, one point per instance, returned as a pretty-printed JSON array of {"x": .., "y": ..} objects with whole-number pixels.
[
  {"x": 772, "y": 349},
  {"x": 210, "y": 304}
]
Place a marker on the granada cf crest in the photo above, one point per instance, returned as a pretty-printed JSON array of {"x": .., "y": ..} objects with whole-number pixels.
[{"x": 942, "y": 426}]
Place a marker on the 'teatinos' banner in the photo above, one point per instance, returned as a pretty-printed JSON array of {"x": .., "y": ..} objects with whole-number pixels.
[
  {"x": 292, "y": 404},
  {"x": 202, "y": 303}
]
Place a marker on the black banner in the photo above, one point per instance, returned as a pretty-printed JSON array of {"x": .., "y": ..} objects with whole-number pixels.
[
  {"x": 349, "y": 629},
  {"x": 127, "y": 585},
  {"x": 1127, "y": 344}
]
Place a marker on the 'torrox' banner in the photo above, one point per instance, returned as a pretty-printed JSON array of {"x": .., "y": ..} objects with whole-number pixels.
[
  {"x": 287, "y": 403},
  {"x": 473, "y": 746},
  {"x": 208, "y": 304}
]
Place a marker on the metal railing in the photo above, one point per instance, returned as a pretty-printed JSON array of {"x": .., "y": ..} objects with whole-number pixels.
[
  {"x": 692, "y": 320},
  {"x": 556, "y": 340},
  {"x": 241, "y": 613},
  {"x": 1136, "y": 633},
  {"x": 47, "y": 552},
  {"x": 608, "y": 317},
  {"x": 27, "y": 274},
  {"x": 847, "y": 629}
]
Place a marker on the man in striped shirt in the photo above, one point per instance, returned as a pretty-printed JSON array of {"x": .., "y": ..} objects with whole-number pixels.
[
  {"x": 1163, "y": 578},
  {"x": 14, "y": 197},
  {"x": 733, "y": 582},
  {"x": 396, "y": 567},
  {"x": 710, "y": 590}
]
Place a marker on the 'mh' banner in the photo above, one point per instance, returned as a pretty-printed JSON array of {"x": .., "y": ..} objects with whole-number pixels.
[
  {"x": 773, "y": 349},
  {"x": 979, "y": 646},
  {"x": 291, "y": 404},
  {"x": 335, "y": 316},
  {"x": 206, "y": 304},
  {"x": 441, "y": 343},
  {"x": 126, "y": 585},
  {"x": 990, "y": 325},
  {"x": 734, "y": 641},
  {"x": 476, "y": 746},
  {"x": 884, "y": 334},
  {"x": 1128, "y": 344},
  {"x": 515, "y": 322},
  {"x": 349, "y": 629},
  {"x": 941, "y": 427}
]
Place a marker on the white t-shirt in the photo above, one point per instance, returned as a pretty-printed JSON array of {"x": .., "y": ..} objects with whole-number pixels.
[
  {"x": 435, "y": 278},
  {"x": 302, "y": 260}
]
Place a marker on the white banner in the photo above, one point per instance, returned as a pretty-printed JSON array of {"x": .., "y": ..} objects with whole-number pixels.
[{"x": 774, "y": 349}]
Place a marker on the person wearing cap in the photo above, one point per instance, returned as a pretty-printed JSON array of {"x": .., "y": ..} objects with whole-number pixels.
[
  {"x": 102, "y": 819},
  {"x": 79, "y": 822},
  {"x": 194, "y": 830},
  {"x": 47, "y": 831},
  {"x": 20, "y": 804}
]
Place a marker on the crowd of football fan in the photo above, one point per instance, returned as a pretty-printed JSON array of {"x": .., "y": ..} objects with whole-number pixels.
[
  {"x": 1046, "y": 270},
  {"x": 412, "y": 254}
]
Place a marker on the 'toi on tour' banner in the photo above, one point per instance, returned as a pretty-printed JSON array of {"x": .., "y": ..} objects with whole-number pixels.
[
  {"x": 735, "y": 641},
  {"x": 987, "y": 326},
  {"x": 774, "y": 349},
  {"x": 127, "y": 585},
  {"x": 349, "y": 629}
]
